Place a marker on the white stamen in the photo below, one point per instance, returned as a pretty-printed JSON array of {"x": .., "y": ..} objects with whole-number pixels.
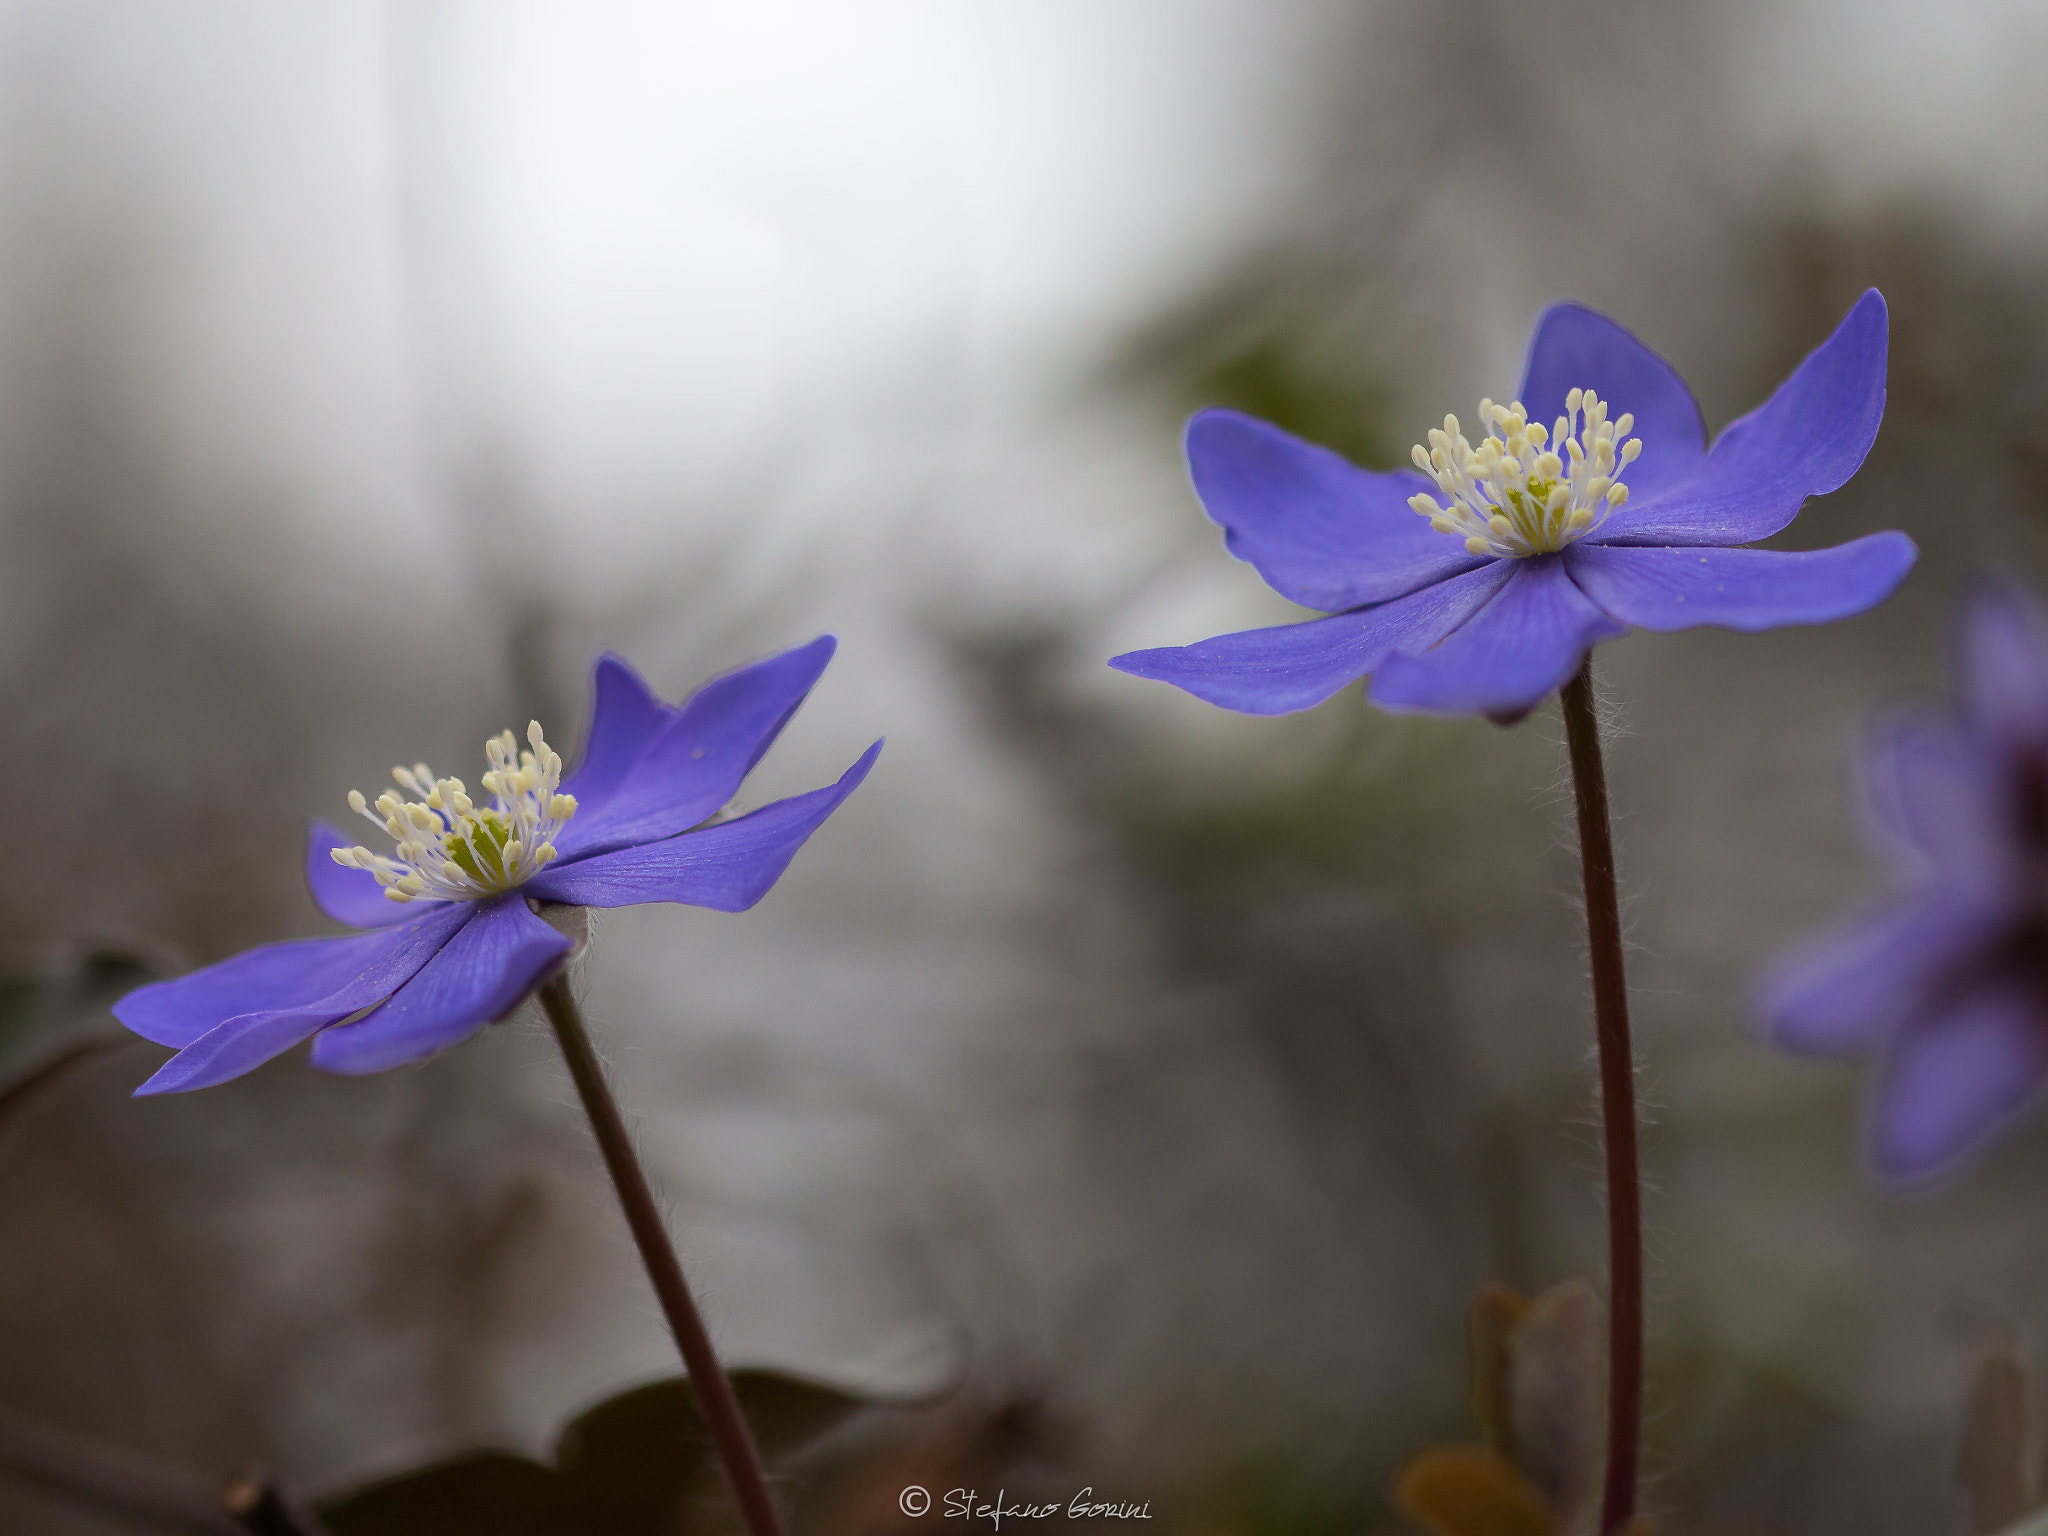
[
  {"x": 447, "y": 849},
  {"x": 1527, "y": 490}
]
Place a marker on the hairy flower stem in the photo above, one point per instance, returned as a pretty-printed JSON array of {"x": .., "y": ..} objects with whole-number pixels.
[
  {"x": 721, "y": 1409},
  {"x": 1617, "y": 1106}
]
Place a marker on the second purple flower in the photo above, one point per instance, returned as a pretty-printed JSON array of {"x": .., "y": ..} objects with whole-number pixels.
[
  {"x": 1589, "y": 506},
  {"x": 1946, "y": 979}
]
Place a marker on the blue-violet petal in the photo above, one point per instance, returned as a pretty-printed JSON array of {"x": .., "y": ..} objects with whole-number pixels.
[
  {"x": 1322, "y": 532},
  {"x": 1808, "y": 438},
  {"x": 346, "y": 894},
  {"x": 1954, "y": 1080},
  {"x": 1293, "y": 667},
  {"x": 1577, "y": 348},
  {"x": 1666, "y": 588},
  {"x": 1943, "y": 807},
  {"x": 1843, "y": 992},
  {"x": 479, "y": 975},
  {"x": 727, "y": 867},
  {"x": 1525, "y": 643},
  {"x": 378, "y": 964},
  {"x": 2002, "y": 659},
  {"x": 265, "y": 979},
  {"x": 696, "y": 762},
  {"x": 625, "y": 715}
]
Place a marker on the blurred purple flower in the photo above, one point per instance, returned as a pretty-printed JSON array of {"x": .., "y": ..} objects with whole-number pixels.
[
  {"x": 1538, "y": 550},
  {"x": 455, "y": 940},
  {"x": 1947, "y": 978}
]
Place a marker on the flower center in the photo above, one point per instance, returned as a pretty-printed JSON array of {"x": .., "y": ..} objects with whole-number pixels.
[
  {"x": 450, "y": 849},
  {"x": 1515, "y": 495}
]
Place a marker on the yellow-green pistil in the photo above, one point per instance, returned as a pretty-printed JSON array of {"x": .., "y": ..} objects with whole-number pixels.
[
  {"x": 1526, "y": 490},
  {"x": 451, "y": 849}
]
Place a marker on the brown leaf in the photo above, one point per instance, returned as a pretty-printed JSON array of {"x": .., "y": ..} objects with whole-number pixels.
[
  {"x": 1557, "y": 1396},
  {"x": 1468, "y": 1490},
  {"x": 1994, "y": 1462},
  {"x": 1496, "y": 1312}
]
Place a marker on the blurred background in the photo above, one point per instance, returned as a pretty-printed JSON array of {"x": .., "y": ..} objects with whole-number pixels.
[{"x": 365, "y": 369}]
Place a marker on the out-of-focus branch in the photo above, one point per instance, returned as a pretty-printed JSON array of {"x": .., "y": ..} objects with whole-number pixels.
[
  {"x": 260, "y": 1508},
  {"x": 113, "y": 1479},
  {"x": 172, "y": 1497},
  {"x": 16, "y": 1094}
]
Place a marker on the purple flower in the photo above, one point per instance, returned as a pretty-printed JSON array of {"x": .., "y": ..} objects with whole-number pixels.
[
  {"x": 1945, "y": 979},
  {"x": 1539, "y": 542},
  {"x": 454, "y": 941}
]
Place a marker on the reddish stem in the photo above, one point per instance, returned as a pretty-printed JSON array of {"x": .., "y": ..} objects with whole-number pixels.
[
  {"x": 1617, "y": 1106},
  {"x": 715, "y": 1397}
]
